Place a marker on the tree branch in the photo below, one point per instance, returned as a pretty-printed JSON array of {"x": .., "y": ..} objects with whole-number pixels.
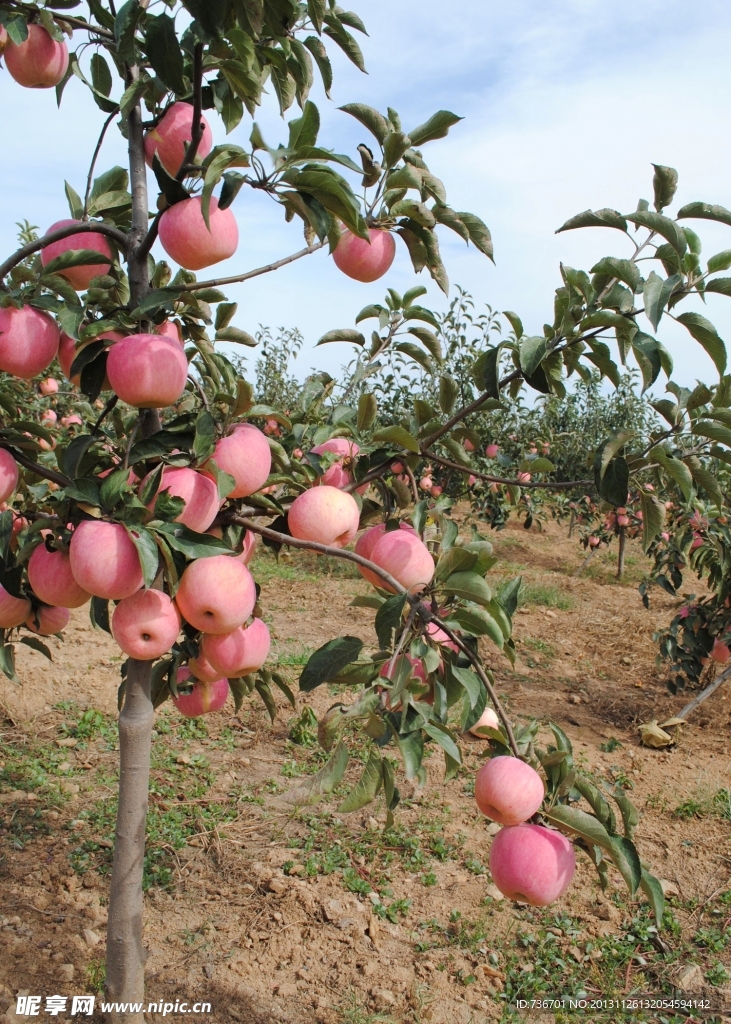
[
  {"x": 218, "y": 282},
  {"x": 76, "y": 228},
  {"x": 36, "y": 467},
  {"x": 548, "y": 485},
  {"x": 93, "y": 162}
]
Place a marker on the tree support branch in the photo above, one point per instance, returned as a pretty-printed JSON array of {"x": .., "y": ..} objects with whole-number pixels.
[
  {"x": 36, "y": 467},
  {"x": 117, "y": 236}
]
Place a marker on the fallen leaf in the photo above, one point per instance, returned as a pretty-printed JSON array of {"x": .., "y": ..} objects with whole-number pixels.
[{"x": 651, "y": 735}]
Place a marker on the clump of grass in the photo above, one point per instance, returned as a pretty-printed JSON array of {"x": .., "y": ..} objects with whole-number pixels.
[{"x": 546, "y": 596}]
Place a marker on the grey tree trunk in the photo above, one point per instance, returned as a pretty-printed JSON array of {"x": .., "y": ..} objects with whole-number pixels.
[
  {"x": 125, "y": 967},
  {"x": 620, "y": 558}
]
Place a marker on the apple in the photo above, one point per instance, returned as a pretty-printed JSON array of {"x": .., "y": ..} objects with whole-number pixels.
[
  {"x": 697, "y": 542},
  {"x": 216, "y": 594},
  {"x": 104, "y": 560},
  {"x": 52, "y": 581},
  {"x": 203, "y": 698},
  {"x": 438, "y": 635},
  {"x": 66, "y": 355},
  {"x": 170, "y": 138},
  {"x": 49, "y": 386},
  {"x": 203, "y": 670},
  {"x": 246, "y": 455},
  {"x": 238, "y": 653},
  {"x": 405, "y": 557},
  {"x": 29, "y": 341},
  {"x": 418, "y": 672},
  {"x": 171, "y": 329},
  {"x": 720, "y": 652},
  {"x": 365, "y": 544},
  {"x": 436, "y": 491},
  {"x": 40, "y": 62},
  {"x": 471, "y": 480},
  {"x": 531, "y": 864},
  {"x": 48, "y": 620},
  {"x": 8, "y": 475},
  {"x": 70, "y": 421},
  {"x": 198, "y": 491},
  {"x": 365, "y": 260},
  {"x": 426, "y": 483},
  {"x": 622, "y": 520},
  {"x": 523, "y": 478},
  {"x": 146, "y": 625},
  {"x": 186, "y": 239},
  {"x": 325, "y": 515},
  {"x": 339, "y": 474},
  {"x": 491, "y": 451},
  {"x": 3, "y": 38},
  {"x": 78, "y": 277},
  {"x": 488, "y": 719},
  {"x": 13, "y": 610},
  {"x": 250, "y": 539},
  {"x": 147, "y": 370},
  {"x": 48, "y": 416},
  {"x": 594, "y": 542},
  {"x": 508, "y": 790}
]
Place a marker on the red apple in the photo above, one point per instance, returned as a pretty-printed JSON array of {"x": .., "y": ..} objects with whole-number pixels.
[
  {"x": 202, "y": 670},
  {"x": 250, "y": 539},
  {"x": 523, "y": 478},
  {"x": 491, "y": 451},
  {"x": 49, "y": 386},
  {"x": 147, "y": 370},
  {"x": 216, "y": 594},
  {"x": 244, "y": 454},
  {"x": 198, "y": 491},
  {"x": 29, "y": 341},
  {"x": 532, "y": 864},
  {"x": 146, "y": 625},
  {"x": 171, "y": 329},
  {"x": 52, "y": 581},
  {"x": 8, "y": 475},
  {"x": 365, "y": 544},
  {"x": 48, "y": 620},
  {"x": 104, "y": 560},
  {"x": 340, "y": 473},
  {"x": 508, "y": 790},
  {"x": 186, "y": 239},
  {"x": 362, "y": 260},
  {"x": 38, "y": 63},
  {"x": 488, "y": 719},
  {"x": 172, "y": 135},
  {"x": 204, "y": 697},
  {"x": 406, "y": 558},
  {"x": 78, "y": 277},
  {"x": 238, "y": 653},
  {"x": 13, "y": 610},
  {"x": 325, "y": 515},
  {"x": 720, "y": 652}
]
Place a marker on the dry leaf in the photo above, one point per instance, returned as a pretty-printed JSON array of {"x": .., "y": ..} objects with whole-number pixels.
[
  {"x": 651, "y": 735},
  {"x": 671, "y": 722}
]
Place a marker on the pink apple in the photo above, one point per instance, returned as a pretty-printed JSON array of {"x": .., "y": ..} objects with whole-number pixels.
[
  {"x": 250, "y": 539},
  {"x": 48, "y": 620},
  {"x": 406, "y": 558},
  {"x": 3, "y": 38},
  {"x": 216, "y": 594},
  {"x": 297, "y": 453},
  {"x": 622, "y": 520},
  {"x": 523, "y": 478},
  {"x": 426, "y": 483},
  {"x": 147, "y": 370},
  {"x": 438, "y": 635},
  {"x": 204, "y": 697},
  {"x": 38, "y": 63},
  {"x": 13, "y": 610},
  {"x": 238, "y": 653},
  {"x": 426, "y": 696},
  {"x": 697, "y": 542},
  {"x": 436, "y": 491},
  {"x": 325, "y": 515},
  {"x": 172, "y": 135},
  {"x": 720, "y": 652},
  {"x": 365, "y": 544},
  {"x": 49, "y": 386},
  {"x": 488, "y": 719},
  {"x": 665, "y": 536},
  {"x": 468, "y": 445},
  {"x": 171, "y": 329},
  {"x": 52, "y": 581},
  {"x": 272, "y": 428},
  {"x": 104, "y": 560},
  {"x": 48, "y": 416},
  {"x": 471, "y": 480},
  {"x": 594, "y": 542},
  {"x": 244, "y": 454},
  {"x": 146, "y": 625},
  {"x": 78, "y": 277},
  {"x": 29, "y": 341},
  {"x": 202, "y": 670},
  {"x": 66, "y": 355},
  {"x": 362, "y": 260},
  {"x": 532, "y": 864},
  {"x": 508, "y": 790},
  {"x": 198, "y": 491},
  {"x": 70, "y": 421},
  {"x": 339, "y": 474},
  {"x": 491, "y": 451},
  {"x": 8, "y": 475},
  {"x": 186, "y": 239}
]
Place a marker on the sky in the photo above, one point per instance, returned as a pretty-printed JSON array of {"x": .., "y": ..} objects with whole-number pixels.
[{"x": 566, "y": 105}]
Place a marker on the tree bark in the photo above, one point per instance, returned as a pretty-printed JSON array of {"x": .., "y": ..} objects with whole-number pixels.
[
  {"x": 125, "y": 973},
  {"x": 620, "y": 557}
]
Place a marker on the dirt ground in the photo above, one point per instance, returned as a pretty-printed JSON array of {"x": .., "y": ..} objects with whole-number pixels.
[{"x": 275, "y": 914}]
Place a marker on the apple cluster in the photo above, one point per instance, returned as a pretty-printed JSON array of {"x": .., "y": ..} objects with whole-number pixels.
[{"x": 529, "y": 863}]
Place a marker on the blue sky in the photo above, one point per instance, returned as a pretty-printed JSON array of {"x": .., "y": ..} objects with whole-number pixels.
[{"x": 566, "y": 105}]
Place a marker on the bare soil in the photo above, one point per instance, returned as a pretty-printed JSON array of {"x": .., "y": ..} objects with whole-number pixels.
[{"x": 275, "y": 914}]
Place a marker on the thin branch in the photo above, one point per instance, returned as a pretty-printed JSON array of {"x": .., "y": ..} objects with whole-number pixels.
[
  {"x": 199, "y": 388},
  {"x": 55, "y": 236},
  {"x": 218, "y": 282},
  {"x": 704, "y": 694},
  {"x": 412, "y": 481},
  {"x": 70, "y": 20},
  {"x": 467, "y": 470},
  {"x": 93, "y": 162},
  {"x": 196, "y": 133},
  {"x": 105, "y": 412},
  {"x": 36, "y": 467}
]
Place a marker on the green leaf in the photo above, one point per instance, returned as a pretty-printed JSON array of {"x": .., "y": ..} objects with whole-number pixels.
[
  {"x": 705, "y": 211},
  {"x": 448, "y": 393},
  {"x": 706, "y": 335},
  {"x": 411, "y": 748},
  {"x": 124, "y": 28},
  {"x": 99, "y": 614},
  {"x": 397, "y": 436},
  {"x": 455, "y": 560},
  {"x": 479, "y": 233},
  {"x": 627, "y": 861},
  {"x": 346, "y": 42},
  {"x": 367, "y": 411},
  {"x": 630, "y": 816},
  {"x": 719, "y": 286},
  {"x": 101, "y": 76},
  {"x": 348, "y": 334},
  {"x": 164, "y": 53},
  {"x": 303, "y": 130},
  {"x": 478, "y": 622},
  {"x": 388, "y": 619},
  {"x": 721, "y": 261},
  {"x": 329, "y": 660},
  {"x": 585, "y": 825},
  {"x": 664, "y": 183},
  {"x": 614, "y": 485},
  {"x": 471, "y": 683},
  {"x": 147, "y": 549},
  {"x": 704, "y": 479},
  {"x": 715, "y": 431},
  {"x": 653, "y": 518},
  {"x": 653, "y": 890},
  {"x": 367, "y": 787},
  {"x": 37, "y": 645},
  {"x": 429, "y": 340},
  {"x": 675, "y": 469},
  {"x": 324, "y": 782},
  {"x": 192, "y": 545},
  {"x": 317, "y": 9},
  {"x": 468, "y": 585},
  {"x": 319, "y": 53},
  {"x": 656, "y": 293},
  {"x": 604, "y": 218},
  {"x": 267, "y": 699},
  {"x": 436, "y": 127},
  {"x": 7, "y": 661},
  {"x": 515, "y": 322},
  {"x": 646, "y": 352},
  {"x": 664, "y": 226},
  {"x": 532, "y": 351},
  {"x": 76, "y": 206},
  {"x": 205, "y": 436},
  {"x": 332, "y": 190}
]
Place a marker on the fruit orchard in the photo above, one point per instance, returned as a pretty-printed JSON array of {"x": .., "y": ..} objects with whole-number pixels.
[{"x": 139, "y": 467}]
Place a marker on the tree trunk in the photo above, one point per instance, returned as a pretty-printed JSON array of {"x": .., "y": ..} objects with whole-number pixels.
[
  {"x": 125, "y": 974},
  {"x": 572, "y": 522},
  {"x": 620, "y": 557}
]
